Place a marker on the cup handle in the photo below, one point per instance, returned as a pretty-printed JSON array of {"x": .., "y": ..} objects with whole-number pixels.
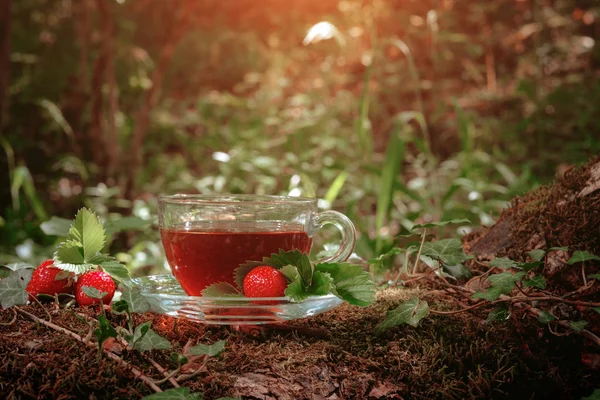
[{"x": 346, "y": 228}]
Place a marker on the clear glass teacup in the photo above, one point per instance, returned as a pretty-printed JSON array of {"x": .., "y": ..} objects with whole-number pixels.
[{"x": 206, "y": 237}]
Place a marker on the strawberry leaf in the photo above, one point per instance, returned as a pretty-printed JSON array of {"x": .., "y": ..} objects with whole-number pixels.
[
  {"x": 409, "y": 312},
  {"x": 221, "y": 289},
  {"x": 295, "y": 290},
  {"x": 89, "y": 231},
  {"x": 321, "y": 284},
  {"x": 290, "y": 272},
  {"x": 210, "y": 350},
  {"x": 13, "y": 288}
]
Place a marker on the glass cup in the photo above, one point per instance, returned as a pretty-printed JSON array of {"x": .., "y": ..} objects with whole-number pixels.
[{"x": 206, "y": 237}]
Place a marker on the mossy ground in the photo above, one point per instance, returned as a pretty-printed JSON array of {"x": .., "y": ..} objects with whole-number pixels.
[{"x": 331, "y": 356}]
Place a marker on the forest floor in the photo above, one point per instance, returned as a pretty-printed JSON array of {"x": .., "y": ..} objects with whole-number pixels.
[{"x": 334, "y": 355}]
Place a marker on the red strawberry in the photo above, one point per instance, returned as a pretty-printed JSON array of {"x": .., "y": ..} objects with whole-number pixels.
[
  {"x": 96, "y": 279},
  {"x": 43, "y": 280},
  {"x": 265, "y": 281}
]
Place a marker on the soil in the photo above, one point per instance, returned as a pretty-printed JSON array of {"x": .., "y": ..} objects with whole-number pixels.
[{"x": 331, "y": 356}]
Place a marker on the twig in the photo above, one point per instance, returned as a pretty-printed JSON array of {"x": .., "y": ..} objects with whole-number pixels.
[
  {"x": 136, "y": 372},
  {"x": 164, "y": 372},
  {"x": 200, "y": 369},
  {"x": 583, "y": 274},
  {"x": 43, "y": 308},
  {"x": 12, "y": 321}
]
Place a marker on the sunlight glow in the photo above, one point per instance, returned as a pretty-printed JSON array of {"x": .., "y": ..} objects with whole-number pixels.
[{"x": 322, "y": 31}]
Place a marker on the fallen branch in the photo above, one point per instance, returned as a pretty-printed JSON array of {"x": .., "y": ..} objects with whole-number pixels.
[{"x": 136, "y": 371}]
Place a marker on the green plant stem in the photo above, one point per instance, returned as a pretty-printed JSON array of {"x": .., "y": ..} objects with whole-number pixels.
[{"x": 420, "y": 249}]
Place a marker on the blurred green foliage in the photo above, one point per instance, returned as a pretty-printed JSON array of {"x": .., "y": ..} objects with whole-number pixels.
[{"x": 394, "y": 112}]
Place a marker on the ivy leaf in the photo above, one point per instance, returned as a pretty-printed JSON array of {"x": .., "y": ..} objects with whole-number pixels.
[
  {"x": 358, "y": 291},
  {"x": 179, "y": 359},
  {"x": 537, "y": 254},
  {"x": 140, "y": 331},
  {"x": 503, "y": 262},
  {"x": 120, "y": 307},
  {"x": 594, "y": 396},
  {"x": 448, "y": 251},
  {"x": 56, "y": 226},
  {"x": 104, "y": 331},
  {"x": 92, "y": 292},
  {"x": 151, "y": 341},
  {"x": 136, "y": 301},
  {"x": 578, "y": 326},
  {"x": 13, "y": 288},
  {"x": 594, "y": 276},
  {"x": 126, "y": 224},
  {"x": 89, "y": 231},
  {"x": 221, "y": 289},
  {"x": 440, "y": 224},
  {"x": 500, "y": 313},
  {"x": 210, "y": 350},
  {"x": 581, "y": 256},
  {"x": 18, "y": 266},
  {"x": 180, "y": 393},
  {"x": 458, "y": 271},
  {"x": 563, "y": 248},
  {"x": 528, "y": 266},
  {"x": 502, "y": 283},
  {"x": 545, "y": 317},
  {"x": 409, "y": 312},
  {"x": 537, "y": 281},
  {"x": 597, "y": 309}
]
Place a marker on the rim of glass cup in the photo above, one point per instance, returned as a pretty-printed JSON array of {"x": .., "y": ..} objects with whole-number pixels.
[{"x": 233, "y": 198}]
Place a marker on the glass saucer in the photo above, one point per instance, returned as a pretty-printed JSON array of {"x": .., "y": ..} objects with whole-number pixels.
[{"x": 166, "y": 296}]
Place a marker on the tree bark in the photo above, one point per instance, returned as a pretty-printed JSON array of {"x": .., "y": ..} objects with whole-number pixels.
[{"x": 5, "y": 24}]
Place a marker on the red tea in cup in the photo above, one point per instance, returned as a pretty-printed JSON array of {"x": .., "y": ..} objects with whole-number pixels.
[{"x": 202, "y": 255}]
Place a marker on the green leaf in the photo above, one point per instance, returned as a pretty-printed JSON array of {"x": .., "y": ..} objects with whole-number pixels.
[
  {"x": 537, "y": 254},
  {"x": 458, "y": 271},
  {"x": 68, "y": 252},
  {"x": 305, "y": 270},
  {"x": 581, "y": 256},
  {"x": 56, "y": 226},
  {"x": 210, "y": 350},
  {"x": 448, "y": 251},
  {"x": 340, "y": 271},
  {"x": 594, "y": 396},
  {"x": 104, "y": 331},
  {"x": 578, "y": 326},
  {"x": 597, "y": 309},
  {"x": 502, "y": 283},
  {"x": 502, "y": 262},
  {"x": 13, "y": 288},
  {"x": 493, "y": 293},
  {"x": 563, "y": 248},
  {"x": 221, "y": 289},
  {"x": 136, "y": 301},
  {"x": 545, "y": 317},
  {"x": 358, "y": 291},
  {"x": 500, "y": 313},
  {"x": 321, "y": 285},
  {"x": 140, "y": 331},
  {"x": 152, "y": 341},
  {"x": 409, "y": 312},
  {"x": 290, "y": 272},
  {"x": 537, "y": 281},
  {"x": 180, "y": 393},
  {"x": 594, "y": 276},
  {"x": 440, "y": 224},
  {"x": 528, "y": 266},
  {"x": 295, "y": 290},
  {"x": 126, "y": 224},
  {"x": 92, "y": 292},
  {"x": 89, "y": 231},
  {"x": 117, "y": 271},
  {"x": 179, "y": 359},
  {"x": 120, "y": 307}
]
